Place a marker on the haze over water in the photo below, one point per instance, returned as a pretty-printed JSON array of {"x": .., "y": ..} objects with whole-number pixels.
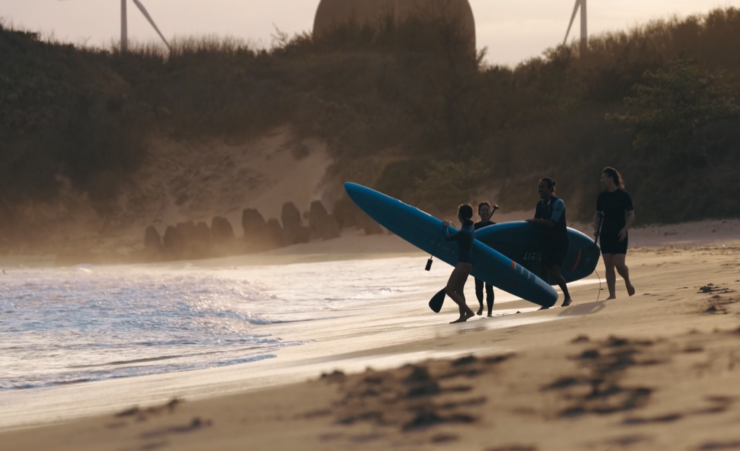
[{"x": 86, "y": 323}]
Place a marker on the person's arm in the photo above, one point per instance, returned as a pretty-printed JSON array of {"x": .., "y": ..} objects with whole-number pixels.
[
  {"x": 597, "y": 221},
  {"x": 543, "y": 222},
  {"x": 449, "y": 237},
  {"x": 599, "y": 215},
  {"x": 630, "y": 220},
  {"x": 629, "y": 215}
]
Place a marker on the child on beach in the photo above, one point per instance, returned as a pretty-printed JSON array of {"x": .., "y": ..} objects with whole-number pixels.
[{"x": 484, "y": 211}]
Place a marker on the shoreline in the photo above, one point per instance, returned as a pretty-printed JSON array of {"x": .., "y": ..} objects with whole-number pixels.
[
  {"x": 663, "y": 337},
  {"x": 657, "y": 271},
  {"x": 353, "y": 244}
]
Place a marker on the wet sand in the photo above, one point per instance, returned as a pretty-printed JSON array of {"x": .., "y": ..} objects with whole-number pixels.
[{"x": 655, "y": 371}]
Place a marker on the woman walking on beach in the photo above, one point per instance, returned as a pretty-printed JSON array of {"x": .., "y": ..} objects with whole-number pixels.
[
  {"x": 614, "y": 216},
  {"x": 464, "y": 238}
]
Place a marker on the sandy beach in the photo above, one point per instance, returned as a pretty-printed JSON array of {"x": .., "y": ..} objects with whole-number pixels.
[{"x": 655, "y": 371}]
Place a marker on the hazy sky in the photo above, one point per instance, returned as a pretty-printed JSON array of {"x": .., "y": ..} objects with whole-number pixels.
[{"x": 513, "y": 30}]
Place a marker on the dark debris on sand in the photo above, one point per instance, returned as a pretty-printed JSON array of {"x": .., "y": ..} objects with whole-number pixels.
[
  {"x": 334, "y": 376},
  {"x": 711, "y": 288},
  {"x": 600, "y": 390},
  {"x": 135, "y": 411},
  {"x": 415, "y": 397}
]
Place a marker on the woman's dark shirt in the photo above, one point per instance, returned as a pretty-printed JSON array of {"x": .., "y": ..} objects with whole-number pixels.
[
  {"x": 554, "y": 210},
  {"x": 464, "y": 238},
  {"x": 614, "y": 205}
]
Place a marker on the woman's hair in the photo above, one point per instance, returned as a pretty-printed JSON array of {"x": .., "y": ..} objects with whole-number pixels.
[
  {"x": 485, "y": 203},
  {"x": 615, "y": 175},
  {"x": 465, "y": 211},
  {"x": 549, "y": 182}
]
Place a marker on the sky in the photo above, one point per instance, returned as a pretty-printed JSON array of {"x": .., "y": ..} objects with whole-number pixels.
[{"x": 513, "y": 30}]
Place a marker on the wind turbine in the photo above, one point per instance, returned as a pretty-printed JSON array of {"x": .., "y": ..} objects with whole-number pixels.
[
  {"x": 584, "y": 24},
  {"x": 124, "y": 24}
]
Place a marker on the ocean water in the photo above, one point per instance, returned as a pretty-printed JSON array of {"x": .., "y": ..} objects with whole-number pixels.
[{"x": 86, "y": 323}]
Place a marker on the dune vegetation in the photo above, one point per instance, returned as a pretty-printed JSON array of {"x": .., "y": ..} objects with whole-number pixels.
[{"x": 401, "y": 107}]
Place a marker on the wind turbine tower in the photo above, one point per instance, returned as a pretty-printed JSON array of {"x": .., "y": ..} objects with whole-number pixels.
[
  {"x": 580, "y": 4},
  {"x": 124, "y": 27},
  {"x": 124, "y": 24}
]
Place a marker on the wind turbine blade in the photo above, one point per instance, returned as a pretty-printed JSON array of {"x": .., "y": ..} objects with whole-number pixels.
[
  {"x": 572, "y": 19},
  {"x": 151, "y": 21}
]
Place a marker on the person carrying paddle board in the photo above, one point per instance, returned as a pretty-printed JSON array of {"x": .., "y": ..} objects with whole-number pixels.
[
  {"x": 618, "y": 215},
  {"x": 485, "y": 212},
  {"x": 465, "y": 238},
  {"x": 550, "y": 215}
]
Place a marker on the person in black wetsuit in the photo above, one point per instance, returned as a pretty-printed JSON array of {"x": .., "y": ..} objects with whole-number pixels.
[
  {"x": 456, "y": 283},
  {"x": 485, "y": 212},
  {"x": 615, "y": 213},
  {"x": 550, "y": 215}
]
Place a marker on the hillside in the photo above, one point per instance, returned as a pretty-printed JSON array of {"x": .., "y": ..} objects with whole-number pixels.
[{"x": 101, "y": 142}]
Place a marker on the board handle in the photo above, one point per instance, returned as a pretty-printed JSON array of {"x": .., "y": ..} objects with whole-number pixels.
[{"x": 430, "y": 261}]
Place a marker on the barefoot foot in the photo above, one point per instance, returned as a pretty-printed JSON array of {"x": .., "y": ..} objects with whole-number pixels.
[
  {"x": 630, "y": 290},
  {"x": 611, "y": 298},
  {"x": 480, "y": 311},
  {"x": 567, "y": 302},
  {"x": 469, "y": 314}
]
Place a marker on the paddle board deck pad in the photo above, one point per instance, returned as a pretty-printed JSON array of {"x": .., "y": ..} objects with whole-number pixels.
[
  {"x": 523, "y": 243},
  {"x": 427, "y": 233}
]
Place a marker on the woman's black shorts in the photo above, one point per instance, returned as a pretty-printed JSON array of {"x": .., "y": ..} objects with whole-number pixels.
[{"x": 610, "y": 244}]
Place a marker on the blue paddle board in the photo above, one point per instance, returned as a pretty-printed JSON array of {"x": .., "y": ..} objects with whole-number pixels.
[
  {"x": 427, "y": 233},
  {"x": 523, "y": 243}
]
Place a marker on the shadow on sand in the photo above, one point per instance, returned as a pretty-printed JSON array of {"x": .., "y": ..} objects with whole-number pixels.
[{"x": 584, "y": 309}]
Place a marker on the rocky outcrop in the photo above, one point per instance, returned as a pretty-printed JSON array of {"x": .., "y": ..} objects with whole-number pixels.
[
  {"x": 275, "y": 233},
  {"x": 221, "y": 230},
  {"x": 203, "y": 233},
  {"x": 345, "y": 212},
  {"x": 368, "y": 224},
  {"x": 189, "y": 240},
  {"x": 152, "y": 242},
  {"x": 187, "y": 230},
  {"x": 322, "y": 224},
  {"x": 255, "y": 230},
  {"x": 172, "y": 244},
  {"x": 294, "y": 230}
]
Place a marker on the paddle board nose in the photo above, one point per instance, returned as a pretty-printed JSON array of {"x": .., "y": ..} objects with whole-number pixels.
[
  {"x": 354, "y": 190},
  {"x": 367, "y": 199}
]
